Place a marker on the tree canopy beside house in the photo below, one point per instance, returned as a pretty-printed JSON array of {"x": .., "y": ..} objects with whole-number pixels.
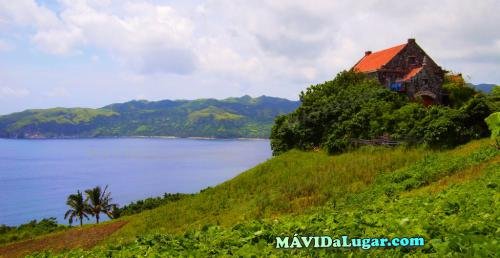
[{"x": 354, "y": 106}]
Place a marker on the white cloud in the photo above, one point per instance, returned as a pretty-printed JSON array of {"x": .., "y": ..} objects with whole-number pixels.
[
  {"x": 59, "y": 41},
  {"x": 5, "y": 46},
  {"x": 151, "y": 38},
  {"x": 249, "y": 37},
  {"x": 95, "y": 58},
  {"x": 218, "y": 55},
  {"x": 143, "y": 35},
  {"x": 57, "y": 92},
  {"x": 27, "y": 12},
  {"x": 8, "y": 92},
  {"x": 233, "y": 47},
  {"x": 332, "y": 35}
]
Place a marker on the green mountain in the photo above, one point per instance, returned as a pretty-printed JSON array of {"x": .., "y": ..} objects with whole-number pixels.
[
  {"x": 484, "y": 87},
  {"x": 228, "y": 118}
]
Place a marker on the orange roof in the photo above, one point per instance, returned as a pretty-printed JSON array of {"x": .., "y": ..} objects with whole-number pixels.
[
  {"x": 375, "y": 61},
  {"x": 412, "y": 73}
]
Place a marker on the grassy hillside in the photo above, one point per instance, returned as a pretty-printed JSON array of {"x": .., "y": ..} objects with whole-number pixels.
[
  {"x": 232, "y": 117},
  {"x": 285, "y": 184},
  {"x": 370, "y": 192}
]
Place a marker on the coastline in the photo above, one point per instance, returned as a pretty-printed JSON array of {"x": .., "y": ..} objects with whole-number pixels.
[{"x": 155, "y": 166}]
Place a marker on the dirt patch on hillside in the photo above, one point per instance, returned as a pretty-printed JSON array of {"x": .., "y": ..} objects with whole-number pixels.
[{"x": 85, "y": 238}]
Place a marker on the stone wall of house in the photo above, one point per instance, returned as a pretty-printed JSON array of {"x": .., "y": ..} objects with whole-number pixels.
[
  {"x": 425, "y": 83},
  {"x": 429, "y": 80}
]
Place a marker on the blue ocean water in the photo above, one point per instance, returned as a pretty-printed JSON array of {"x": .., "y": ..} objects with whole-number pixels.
[{"x": 36, "y": 176}]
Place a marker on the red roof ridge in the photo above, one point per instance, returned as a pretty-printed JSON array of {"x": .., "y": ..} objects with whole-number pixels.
[{"x": 374, "y": 61}]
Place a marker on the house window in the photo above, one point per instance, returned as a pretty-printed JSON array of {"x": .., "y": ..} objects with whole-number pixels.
[
  {"x": 425, "y": 81},
  {"x": 412, "y": 60}
]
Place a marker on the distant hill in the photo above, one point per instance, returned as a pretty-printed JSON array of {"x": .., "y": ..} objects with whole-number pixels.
[
  {"x": 483, "y": 87},
  {"x": 228, "y": 118}
]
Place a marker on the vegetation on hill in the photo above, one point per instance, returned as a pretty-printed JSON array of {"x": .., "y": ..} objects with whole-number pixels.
[
  {"x": 29, "y": 230},
  {"x": 79, "y": 210},
  {"x": 493, "y": 122},
  {"x": 493, "y": 99},
  {"x": 353, "y": 106},
  {"x": 148, "y": 204},
  {"x": 405, "y": 191},
  {"x": 384, "y": 193},
  {"x": 228, "y": 118}
]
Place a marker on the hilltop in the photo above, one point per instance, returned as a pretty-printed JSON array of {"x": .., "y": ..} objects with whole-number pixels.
[
  {"x": 370, "y": 192},
  {"x": 244, "y": 117}
]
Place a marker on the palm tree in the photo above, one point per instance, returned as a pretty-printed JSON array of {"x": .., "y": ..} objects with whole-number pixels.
[
  {"x": 99, "y": 201},
  {"x": 78, "y": 209}
]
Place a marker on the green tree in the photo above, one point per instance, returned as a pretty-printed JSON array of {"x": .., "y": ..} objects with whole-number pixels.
[
  {"x": 333, "y": 113},
  {"x": 459, "y": 91},
  {"x": 493, "y": 122},
  {"x": 99, "y": 201},
  {"x": 78, "y": 210},
  {"x": 493, "y": 99},
  {"x": 354, "y": 106}
]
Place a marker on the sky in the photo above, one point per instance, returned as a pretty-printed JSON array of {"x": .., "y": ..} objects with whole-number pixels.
[{"x": 90, "y": 53}]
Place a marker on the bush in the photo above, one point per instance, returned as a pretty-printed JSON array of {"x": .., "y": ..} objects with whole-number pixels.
[
  {"x": 147, "y": 204},
  {"x": 350, "y": 106},
  {"x": 29, "y": 230},
  {"x": 493, "y": 122},
  {"x": 353, "y": 106},
  {"x": 493, "y": 99},
  {"x": 458, "y": 90}
]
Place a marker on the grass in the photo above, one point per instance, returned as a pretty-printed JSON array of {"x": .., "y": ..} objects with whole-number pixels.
[
  {"x": 28, "y": 230},
  {"x": 217, "y": 113},
  {"x": 448, "y": 197},
  {"x": 461, "y": 177},
  {"x": 290, "y": 183}
]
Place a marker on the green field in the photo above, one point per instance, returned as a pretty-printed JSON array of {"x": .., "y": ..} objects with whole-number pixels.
[{"x": 448, "y": 197}]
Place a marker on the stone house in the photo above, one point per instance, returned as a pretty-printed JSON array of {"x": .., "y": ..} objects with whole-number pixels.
[{"x": 407, "y": 69}]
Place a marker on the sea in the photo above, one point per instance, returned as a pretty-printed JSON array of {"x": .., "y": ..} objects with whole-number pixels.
[{"x": 36, "y": 176}]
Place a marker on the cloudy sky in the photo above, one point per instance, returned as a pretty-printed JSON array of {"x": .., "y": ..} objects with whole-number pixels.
[{"x": 91, "y": 53}]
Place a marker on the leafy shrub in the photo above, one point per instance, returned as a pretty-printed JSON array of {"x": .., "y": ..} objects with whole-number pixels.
[
  {"x": 350, "y": 106},
  {"x": 148, "y": 204},
  {"x": 459, "y": 91},
  {"x": 493, "y": 122},
  {"x": 353, "y": 106},
  {"x": 493, "y": 99},
  {"x": 28, "y": 230}
]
